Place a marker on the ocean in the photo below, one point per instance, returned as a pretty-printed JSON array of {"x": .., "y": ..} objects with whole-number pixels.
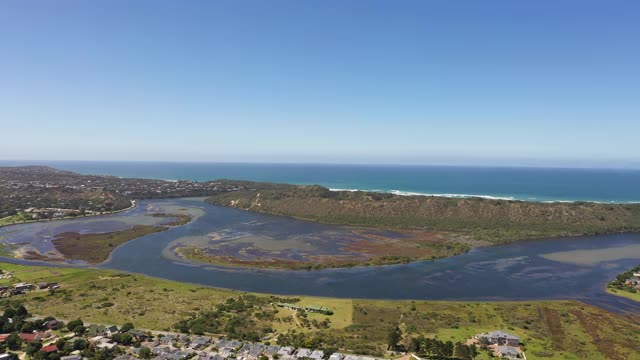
[{"x": 517, "y": 183}]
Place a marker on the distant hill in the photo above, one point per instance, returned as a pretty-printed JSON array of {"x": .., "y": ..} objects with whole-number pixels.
[{"x": 495, "y": 221}]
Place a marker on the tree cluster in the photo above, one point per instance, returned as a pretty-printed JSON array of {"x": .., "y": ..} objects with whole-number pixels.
[{"x": 436, "y": 349}]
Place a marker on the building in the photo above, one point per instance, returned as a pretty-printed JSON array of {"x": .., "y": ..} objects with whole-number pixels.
[
  {"x": 311, "y": 308},
  {"x": 49, "y": 348},
  {"x": 23, "y": 286},
  {"x": 52, "y": 324},
  {"x": 96, "y": 330},
  {"x": 142, "y": 336},
  {"x": 508, "y": 352},
  {"x": 317, "y": 355},
  {"x": 285, "y": 351},
  {"x": 71, "y": 357},
  {"x": 111, "y": 330},
  {"x": 303, "y": 353},
  {"x": 500, "y": 338},
  {"x": 33, "y": 337}
]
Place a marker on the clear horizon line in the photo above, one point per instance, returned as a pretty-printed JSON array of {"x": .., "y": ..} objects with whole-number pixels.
[{"x": 426, "y": 164}]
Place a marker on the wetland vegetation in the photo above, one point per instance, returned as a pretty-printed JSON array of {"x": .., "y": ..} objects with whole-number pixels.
[{"x": 95, "y": 248}]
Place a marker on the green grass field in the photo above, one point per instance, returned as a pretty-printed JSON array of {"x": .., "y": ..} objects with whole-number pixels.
[
  {"x": 15, "y": 219},
  {"x": 549, "y": 329},
  {"x": 628, "y": 295}
]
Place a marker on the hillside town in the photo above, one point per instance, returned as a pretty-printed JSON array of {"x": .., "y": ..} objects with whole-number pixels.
[
  {"x": 39, "y": 192},
  {"x": 77, "y": 341}
]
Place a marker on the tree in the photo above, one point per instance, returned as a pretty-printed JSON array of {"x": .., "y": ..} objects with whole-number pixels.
[
  {"x": 79, "y": 330},
  {"x": 126, "y": 327},
  {"x": 126, "y": 339},
  {"x": 145, "y": 353},
  {"x": 60, "y": 343},
  {"x": 74, "y": 323},
  {"x": 473, "y": 352},
  {"x": 28, "y": 327},
  {"x": 33, "y": 348},
  {"x": 14, "y": 342},
  {"x": 9, "y": 313},
  {"x": 198, "y": 329},
  {"x": 21, "y": 312},
  {"x": 394, "y": 336},
  {"x": 80, "y": 344},
  {"x": 415, "y": 344},
  {"x": 461, "y": 351}
]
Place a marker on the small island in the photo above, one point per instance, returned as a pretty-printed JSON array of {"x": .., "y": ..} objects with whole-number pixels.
[{"x": 95, "y": 248}]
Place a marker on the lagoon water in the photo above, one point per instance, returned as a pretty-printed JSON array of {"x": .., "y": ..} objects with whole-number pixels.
[
  {"x": 535, "y": 184},
  {"x": 566, "y": 268}
]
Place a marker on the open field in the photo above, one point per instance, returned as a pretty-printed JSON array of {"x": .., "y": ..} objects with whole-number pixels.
[
  {"x": 633, "y": 296},
  {"x": 15, "y": 219},
  {"x": 549, "y": 329}
]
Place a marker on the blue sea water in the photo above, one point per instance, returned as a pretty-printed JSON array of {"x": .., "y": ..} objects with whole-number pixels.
[{"x": 521, "y": 183}]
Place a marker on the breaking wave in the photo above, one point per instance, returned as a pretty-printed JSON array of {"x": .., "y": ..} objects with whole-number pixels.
[{"x": 411, "y": 193}]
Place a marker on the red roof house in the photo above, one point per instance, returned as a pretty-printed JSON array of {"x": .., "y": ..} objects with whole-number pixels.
[
  {"x": 30, "y": 337},
  {"x": 49, "y": 348}
]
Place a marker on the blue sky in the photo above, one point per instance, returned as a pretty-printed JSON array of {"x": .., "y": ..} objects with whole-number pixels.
[{"x": 471, "y": 82}]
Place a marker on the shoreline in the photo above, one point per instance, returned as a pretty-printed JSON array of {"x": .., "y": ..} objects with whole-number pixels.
[
  {"x": 133, "y": 205},
  {"x": 624, "y": 294},
  {"x": 479, "y": 196},
  {"x": 319, "y": 266}
]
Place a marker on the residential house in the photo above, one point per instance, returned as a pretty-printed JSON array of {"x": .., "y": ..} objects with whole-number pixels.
[
  {"x": 43, "y": 286},
  {"x": 121, "y": 357},
  {"x": 97, "y": 330},
  {"x": 200, "y": 342},
  {"x": 139, "y": 335},
  {"x": 256, "y": 350},
  {"x": 160, "y": 349},
  {"x": 33, "y": 337},
  {"x": 49, "y": 348},
  {"x": 317, "y": 355},
  {"x": 337, "y": 356},
  {"x": 71, "y": 357},
  {"x": 168, "y": 339},
  {"x": 500, "y": 338},
  {"x": 111, "y": 330},
  {"x": 303, "y": 353},
  {"x": 271, "y": 350},
  {"x": 284, "y": 351},
  {"x": 52, "y": 324},
  {"x": 107, "y": 345},
  {"x": 508, "y": 352}
]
